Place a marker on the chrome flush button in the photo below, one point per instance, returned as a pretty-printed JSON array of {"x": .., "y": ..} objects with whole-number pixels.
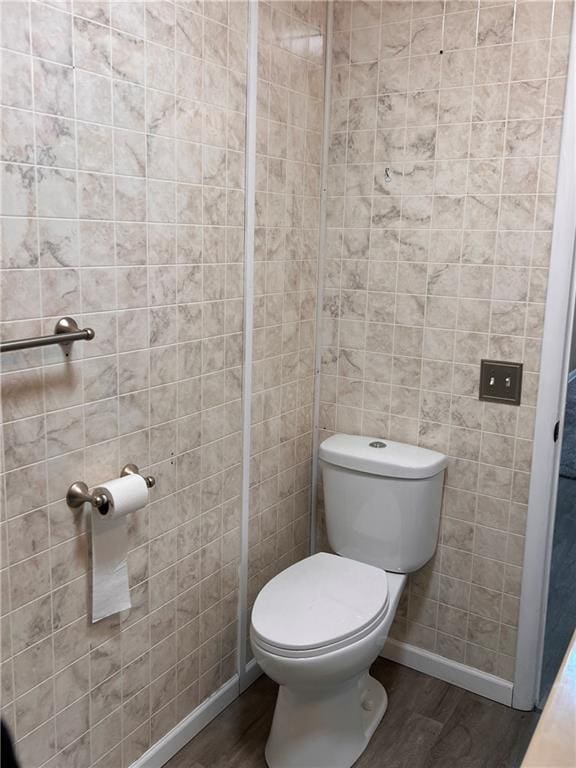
[{"x": 377, "y": 444}]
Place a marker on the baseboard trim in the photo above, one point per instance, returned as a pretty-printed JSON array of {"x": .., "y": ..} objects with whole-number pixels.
[
  {"x": 453, "y": 672},
  {"x": 190, "y": 726},
  {"x": 250, "y": 675}
]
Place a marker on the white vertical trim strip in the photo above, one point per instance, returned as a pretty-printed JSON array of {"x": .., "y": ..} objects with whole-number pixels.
[
  {"x": 320, "y": 267},
  {"x": 550, "y": 408},
  {"x": 249, "y": 226}
]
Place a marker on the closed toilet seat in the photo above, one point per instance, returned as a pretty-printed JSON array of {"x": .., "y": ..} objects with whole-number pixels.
[{"x": 318, "y": 605}]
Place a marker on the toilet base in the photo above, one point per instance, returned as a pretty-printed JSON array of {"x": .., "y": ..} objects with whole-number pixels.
[{"x": 325, "y": 728}]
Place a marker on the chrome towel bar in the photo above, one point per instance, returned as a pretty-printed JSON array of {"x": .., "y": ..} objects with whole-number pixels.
[{"x": 66, "y": 331}]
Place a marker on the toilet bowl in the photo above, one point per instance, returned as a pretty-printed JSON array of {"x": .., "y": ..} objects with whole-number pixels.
[
  {"x": 318, "y": 626},
  {"x": 316, "y": 629}
]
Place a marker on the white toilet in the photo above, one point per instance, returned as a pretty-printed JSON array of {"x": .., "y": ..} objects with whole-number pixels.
[{"x": 318, "y": 626}]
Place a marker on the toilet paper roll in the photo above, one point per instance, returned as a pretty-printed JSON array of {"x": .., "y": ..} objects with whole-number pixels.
[{"x": 110, "y": 591}]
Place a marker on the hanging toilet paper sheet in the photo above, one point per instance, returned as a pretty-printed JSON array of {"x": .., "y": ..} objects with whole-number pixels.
[{"x": 110, "y": 589}]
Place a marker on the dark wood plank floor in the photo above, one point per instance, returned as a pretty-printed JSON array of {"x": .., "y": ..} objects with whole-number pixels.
[
  {"x": 429, "y": 724},
  {"x": 561, "y": 614}
]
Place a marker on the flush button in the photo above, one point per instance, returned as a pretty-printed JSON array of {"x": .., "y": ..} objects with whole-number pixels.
[{"x": 377, "y": 444}]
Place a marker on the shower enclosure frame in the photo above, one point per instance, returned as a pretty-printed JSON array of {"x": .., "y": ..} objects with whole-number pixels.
[{"x": 560, "y": 307}]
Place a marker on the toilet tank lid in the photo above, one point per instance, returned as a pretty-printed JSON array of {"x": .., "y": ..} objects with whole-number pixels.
[{"x": 377, "y": 456}]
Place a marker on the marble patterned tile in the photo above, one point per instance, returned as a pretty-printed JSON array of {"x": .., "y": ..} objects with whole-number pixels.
[
  {"x": 123, "y": 204},
  {"x": 463, "y": 113},
  {"x": 93, "y": 183}
]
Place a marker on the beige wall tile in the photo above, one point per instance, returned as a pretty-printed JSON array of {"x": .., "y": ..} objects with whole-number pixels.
[
  {"x": 121, "y": 162},
  {"x": 285, "y": 269},
  {"x": 459, "y": 245}
]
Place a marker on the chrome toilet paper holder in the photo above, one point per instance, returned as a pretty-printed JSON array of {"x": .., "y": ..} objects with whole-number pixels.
[{"x": 79, "y": 494}]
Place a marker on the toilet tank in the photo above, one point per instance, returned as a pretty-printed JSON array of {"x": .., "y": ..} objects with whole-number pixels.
[{"x": 382, "y": 500}]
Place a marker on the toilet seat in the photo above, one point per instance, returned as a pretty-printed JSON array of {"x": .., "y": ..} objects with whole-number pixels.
[
  {"x": 318, "y": 605},
  {"x": 308, "y": 653}
]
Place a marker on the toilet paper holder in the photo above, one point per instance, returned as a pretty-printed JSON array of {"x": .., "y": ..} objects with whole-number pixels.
[{"x": 79, "y": 494}]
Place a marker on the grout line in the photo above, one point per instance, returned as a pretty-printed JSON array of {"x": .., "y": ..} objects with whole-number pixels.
[
  {"x": 43, "y": 356},
  {"x": 172, "y": 458},
  {"x": 425, "y": 313},
  {"x": 498, "y": 222},
  {"x": 6, "y": 572},
  {"x": 458, "y": 294}
]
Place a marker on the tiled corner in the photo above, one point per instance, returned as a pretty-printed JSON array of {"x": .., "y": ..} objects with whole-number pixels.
[{"x": 288, "y": 154}]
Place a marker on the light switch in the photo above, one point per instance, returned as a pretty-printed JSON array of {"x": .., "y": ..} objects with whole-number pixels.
[{"x": 500, "y": 382}]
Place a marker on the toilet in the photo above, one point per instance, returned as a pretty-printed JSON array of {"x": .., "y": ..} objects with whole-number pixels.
[{"x": 318, "y": 625}]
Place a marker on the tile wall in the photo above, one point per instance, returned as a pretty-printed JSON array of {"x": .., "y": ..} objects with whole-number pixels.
[
  {"x": 445, "y": 128},
  {"x": 122, "y": 172},
  {"x": 288, "y": 153},
  {"x": 122, "y": 201}
]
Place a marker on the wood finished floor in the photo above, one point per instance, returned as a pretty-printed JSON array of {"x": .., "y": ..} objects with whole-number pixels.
[{"x": 429, "y": 724}]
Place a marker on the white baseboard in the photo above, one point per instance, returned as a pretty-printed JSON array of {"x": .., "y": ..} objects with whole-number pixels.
[
  {"x": 250, "y": 675},
  {"x": 180, "y": 735},
  {"x": 453, "y": 672}
]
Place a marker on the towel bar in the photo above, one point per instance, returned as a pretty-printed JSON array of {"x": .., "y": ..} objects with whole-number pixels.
[{"x": 66, "y": 331}]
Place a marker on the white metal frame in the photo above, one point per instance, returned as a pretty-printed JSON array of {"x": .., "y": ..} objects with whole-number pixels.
[
  {"x": 550, "y": 409},
  {"x": 249, "y": 227},
  {"x": 320, "y": 268}
]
